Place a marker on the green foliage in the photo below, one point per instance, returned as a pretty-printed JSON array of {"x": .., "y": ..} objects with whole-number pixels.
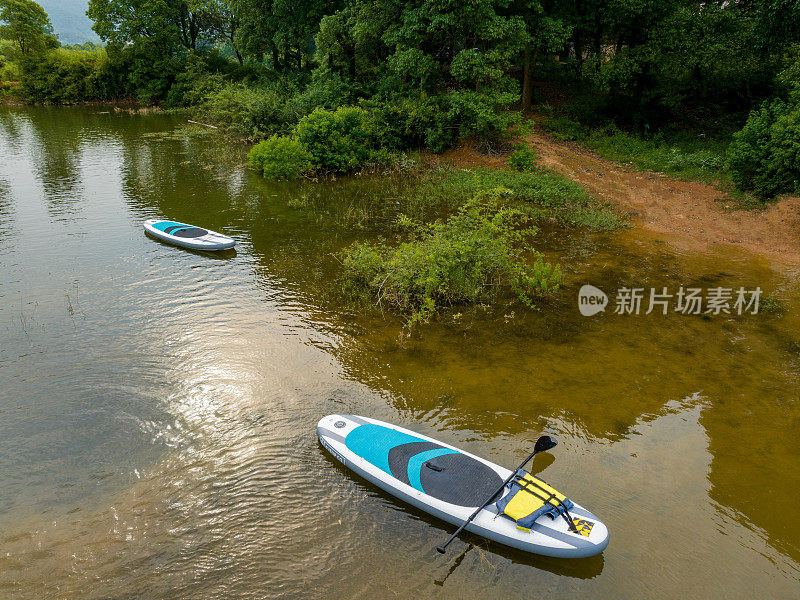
[
  {"x": 685, "y": 155},
  {"x": 67, "y": 76},
  {"x": 27, "y": 25},
  {"x": 481, "y": 113},
  {"x": 248, "y": 111},
  {"x": 280, "y": 157},
  {"x": 9, "y": 69},
  {"x": 381, "y": 76},
  {"x": 279, "y": 30},
  {"x": 541, "y": 194},
  {"x": 405, "y": 121},
  {"x": 465, "y": 259},
  {"x": 565, "y": 129},
  {"x": 342, "y": 140},
  {"x": 523, "y": 158},
  {"x": 765, "y": 155}
]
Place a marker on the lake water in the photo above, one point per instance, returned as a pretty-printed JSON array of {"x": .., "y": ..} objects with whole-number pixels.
[{"x": 158, "y": 406}]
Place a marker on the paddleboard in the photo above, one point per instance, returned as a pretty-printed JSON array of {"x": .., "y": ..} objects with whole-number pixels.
[
  {"x": 188, "y": 236},
  {"x": 450, "y": 484}
]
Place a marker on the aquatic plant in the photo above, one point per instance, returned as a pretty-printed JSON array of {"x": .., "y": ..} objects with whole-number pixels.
[
  {"x": 541, "y": 194},
  {"x": 470, "y": 256}
]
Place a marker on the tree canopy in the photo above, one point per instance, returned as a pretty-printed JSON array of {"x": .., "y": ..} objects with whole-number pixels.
[{"x": 26, "y": 23}]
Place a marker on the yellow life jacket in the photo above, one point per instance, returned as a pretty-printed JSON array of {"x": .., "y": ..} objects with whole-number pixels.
[{"x": 530, "y": 498}]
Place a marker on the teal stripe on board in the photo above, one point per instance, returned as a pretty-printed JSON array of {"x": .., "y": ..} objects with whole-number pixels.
[
  {"x": 416, "y": 462},
  {"x": 162, "y": 225},
  {"x": 373, "y": 443}
]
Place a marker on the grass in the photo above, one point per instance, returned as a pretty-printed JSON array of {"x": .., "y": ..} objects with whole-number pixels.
[
  {"x": 541, "y": 195},
  {"x": 464, "y": 237},
  {"x": 772, "y": 304},
  {"x": 482, "y": 248},
  {"x": 683, "y": 155}
]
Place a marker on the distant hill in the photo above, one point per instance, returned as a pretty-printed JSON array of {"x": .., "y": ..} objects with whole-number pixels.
[{"x": 70, "y": 21}]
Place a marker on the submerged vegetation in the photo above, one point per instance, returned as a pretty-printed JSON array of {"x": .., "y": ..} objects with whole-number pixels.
[
  {"x": 464, "y": 259},
  {"x": 465, "y": 237},
  {"x": 539, "y": 194}
]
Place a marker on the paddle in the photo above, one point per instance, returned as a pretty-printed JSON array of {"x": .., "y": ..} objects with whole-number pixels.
[{"x": 543, "y": 444}]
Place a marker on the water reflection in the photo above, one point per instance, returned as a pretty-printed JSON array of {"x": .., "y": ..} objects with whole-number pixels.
[{"x": 170, "y": 451}]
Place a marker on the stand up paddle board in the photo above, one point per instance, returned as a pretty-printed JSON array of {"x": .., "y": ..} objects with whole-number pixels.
[
  {"x": 451, "y": 484},
  {"x": 188, "y": 236}
]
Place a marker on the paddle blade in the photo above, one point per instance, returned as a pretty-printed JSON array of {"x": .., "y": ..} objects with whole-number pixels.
[{"x": 544, "y": 443}]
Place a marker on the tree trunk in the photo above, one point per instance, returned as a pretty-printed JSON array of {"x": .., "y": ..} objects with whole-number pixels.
[
  {"x": 527, "y": 79},
  {"x": 275, "y": 62}
]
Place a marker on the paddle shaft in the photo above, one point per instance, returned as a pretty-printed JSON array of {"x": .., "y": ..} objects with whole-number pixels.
[{"x": 441, "y": 549}]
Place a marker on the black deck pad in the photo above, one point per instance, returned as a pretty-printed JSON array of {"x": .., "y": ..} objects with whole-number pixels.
[
  {"x": 400, "y": 455},
  {"x": 463, "y": 481},
  {"x": 191, "y": 232}
]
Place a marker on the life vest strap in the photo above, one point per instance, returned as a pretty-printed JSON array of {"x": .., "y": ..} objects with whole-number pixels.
[{"x": 538, "y": 499}]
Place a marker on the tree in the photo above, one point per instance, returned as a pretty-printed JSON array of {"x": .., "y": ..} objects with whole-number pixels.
[
  {"x": 165, "y": 22},
  {"x": 25, "y": 22},
  {"x": 224, "y": 21},
  {"x": 543, "y": 33},
  {"x": 281, "y": 29}
]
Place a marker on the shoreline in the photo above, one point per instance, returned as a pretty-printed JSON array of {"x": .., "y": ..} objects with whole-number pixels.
[
  {"x": 692, "y": 210},
  {"x": 696, "y": 212}
]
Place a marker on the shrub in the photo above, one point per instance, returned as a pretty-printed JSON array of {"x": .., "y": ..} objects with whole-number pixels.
[
  {"x": 65, "y": 76},
  {"x": 402, "y": 121},
  {"x": 764, "y": 155},
  {"x": 565, "y": 129},
  {"x": 280, "y": 157},
  {"x": 439, "y": 138},
  {"x": 523, "y": 158},
  {"x": 481, "y": 113},
  {"x": 343, "y": 140},
  {"x": 476, "y": 252},
  {"x": 249, "y": 111},
  {"x": 9, "y": 70}
]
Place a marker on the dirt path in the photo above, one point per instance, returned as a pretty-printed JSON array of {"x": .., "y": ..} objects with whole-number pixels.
[{"x": 694, "y": 212}]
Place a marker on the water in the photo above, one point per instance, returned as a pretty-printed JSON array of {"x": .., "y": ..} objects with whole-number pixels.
[{"x": 157, "y": 406}]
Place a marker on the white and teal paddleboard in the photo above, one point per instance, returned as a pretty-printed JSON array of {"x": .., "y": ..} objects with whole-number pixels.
[
  {"x": 450, "y": 484},
  {"x": 188, "y": 236}
]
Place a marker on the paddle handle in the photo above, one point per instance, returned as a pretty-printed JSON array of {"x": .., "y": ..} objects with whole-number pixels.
[{"x": 441, "y": 549}]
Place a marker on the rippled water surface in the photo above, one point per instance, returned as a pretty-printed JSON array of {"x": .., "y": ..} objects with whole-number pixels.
[{"x": 157, "y": 406}]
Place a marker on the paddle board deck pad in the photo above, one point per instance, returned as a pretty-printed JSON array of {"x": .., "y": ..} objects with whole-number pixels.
[
  {"x": 450, "y": 484},
  {"x": 188, "y": 236}
]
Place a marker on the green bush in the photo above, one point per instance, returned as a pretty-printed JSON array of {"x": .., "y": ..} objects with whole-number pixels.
[
  {"x": 481, "y": 113},
  {"x": 65, "y": 76},
  {"x": 565, "y": 129},
  {"x": 523, "y": 158},
  {"x": 764, "y": 155},
  {"x": 342, "y": 140},
  {"x": 280, "y": 157},
  {"x": 9, "y": 70},
  {"x": 403, "y": 122},
  {"x": 249, "y": 111},
  {"x": 476, "y": 252}
]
